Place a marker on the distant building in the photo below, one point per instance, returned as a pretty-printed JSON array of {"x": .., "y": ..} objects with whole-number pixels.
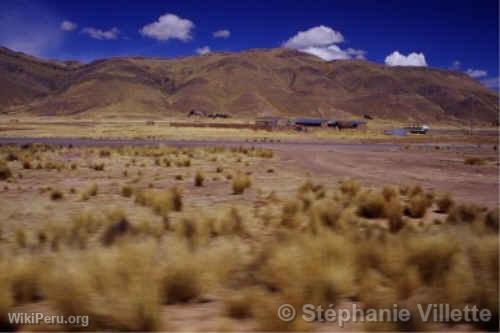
[
  {"x": 311, "y": 122},
  {"x": 270, "y": 122},
  {"x": 344, "y": 124}
]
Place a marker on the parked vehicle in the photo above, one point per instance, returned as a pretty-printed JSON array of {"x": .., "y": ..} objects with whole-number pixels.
[{"x": 417, "y": 128}]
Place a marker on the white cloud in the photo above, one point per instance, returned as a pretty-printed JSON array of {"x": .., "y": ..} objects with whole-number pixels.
[
  {"x": 492, "y": 83},
  {"x": 358, "y": 54},
  {"x": 317, "y": 36},
  {"x": 321, "y": 41},
  {"x": 169, "y": 26},
  {"x": 333, "y": 52},
  {"x": 476, "y": 73},
  {"x": 456, "y": 65},
  {"x": 68, "y": 25},
  {"x": 412, "y": 59},
  {"x": 101, "y": 34},
  {"x": 203, "y": 50},
  {"x": 222, "y": 33}
]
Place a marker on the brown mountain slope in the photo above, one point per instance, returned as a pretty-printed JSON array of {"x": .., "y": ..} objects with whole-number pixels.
[{"x": 246, "y": 84}]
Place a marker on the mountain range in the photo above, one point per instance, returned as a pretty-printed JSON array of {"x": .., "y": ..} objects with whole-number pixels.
[{"x": 279, "y": 82}]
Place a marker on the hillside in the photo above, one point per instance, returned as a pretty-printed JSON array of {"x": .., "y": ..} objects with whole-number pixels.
[{"x": 247, "y": 84}]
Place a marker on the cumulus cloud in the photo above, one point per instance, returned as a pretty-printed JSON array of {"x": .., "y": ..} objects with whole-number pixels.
[
  {"x": 317, "y": 36},
  {"x": 334, "y": 52},
  {"x": 492, "y": 83},
  {"x": 169, "y": 26},
  {"x": 412, "y": 59},
  {"x": 203, "y": 50},
  {"x": 476, "y": 73},
  {"x": 101, "y": 34},
  {"x": 68, "y": 25},
  {"x": 321, "y": 41},
  {"x": 222, "y": 33}
]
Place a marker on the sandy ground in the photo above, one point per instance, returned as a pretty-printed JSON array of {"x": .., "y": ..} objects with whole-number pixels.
[
  {"x": 442, "y": 170},
  {"x": 435, "y": 166},
  {"x": 439, "y": 167}
]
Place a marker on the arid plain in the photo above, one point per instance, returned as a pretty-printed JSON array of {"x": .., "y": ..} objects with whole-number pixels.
[{"x": 150, "y": 227}]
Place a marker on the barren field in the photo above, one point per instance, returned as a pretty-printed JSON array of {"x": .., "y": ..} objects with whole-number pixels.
[{"x": 208, "y": 236}]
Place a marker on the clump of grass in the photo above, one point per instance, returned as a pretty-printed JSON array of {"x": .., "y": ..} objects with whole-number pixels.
[
  {"x": 100, "y": 281},
  {"x": 327, "y": 212},
  {"x": 464, "y": 213},
  {"x": 444, "y": 203},
  {"x": 162, "y": 202},
  {"x": 98, "y": 166},
  {"x": 219, "y": 169},
  {"x": 349, "y": 187},
  {"x": 184, "y": 163},
  {"x": 326, "y": 256},
  {"x": 21, "y": 238},
  {"x": 56, "y": 195},
  {"x": 26, "y": 273},
  {"x": 415, "y": 190},
  {"x": 393, "y": 211},
  {"x": 491, "y": 219},
  {"x": 239, "y": 304},
  {"x": 432, "y": 255},
  {"x": 179, "y": 177},
  {"x": 26, "y": 164},
  {"x": 6, "y": 298},
  {"x": 104, "y": 153},
  {"x": 198, "y": 179},
  {"x": 240, "y": 183},
  {"x": 127, "y": 191},
  {"x": 389, "y": 193},
  {"x": 180, "y": 279},
  {"x": 371, "y": 205},
  {"x": 11, "y": 156},
  {"x": 417, "y": 206},
  {"x": 474, "y": 160},
  {"x": 90, "y": 192},
  {"x": 5, "y": 171},
  {"x": 118, "y": 227}
]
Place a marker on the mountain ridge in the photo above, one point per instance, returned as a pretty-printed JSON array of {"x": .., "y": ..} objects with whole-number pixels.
[{"x": 249, "y": 83}]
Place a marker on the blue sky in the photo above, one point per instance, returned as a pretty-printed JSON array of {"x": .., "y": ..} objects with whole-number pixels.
[{"x": 438, "y": 33}]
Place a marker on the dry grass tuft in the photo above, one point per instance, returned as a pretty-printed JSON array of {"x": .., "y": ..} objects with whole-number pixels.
[
  {"x": 198, "y": 179},
  {"x": 444, "y": 203},
  {"x": 91, "y": 191},
  {"x": 5, "y": 172},
  {"x": 417, "y": 205},
  {"x": 371, "y": 205},
  {"x": 98, "y": 166},
  {"x": 239, "y": 304},
  {"x": 118, "y": 288},
  {"x": 390, "y": 192},
  {"x": 491, "y": 219},
  {"x": 56, "y": 195},
  {"x": 118, "y": 227},
  {"x": 465, "y": 213},
  {"x": 240, "y": 183},
  {"x": 349, "y": 187},
  {"x": 162, "y": 202},
  {"x": 473, "y": 160},
  {"x": 127, "y": 191}
]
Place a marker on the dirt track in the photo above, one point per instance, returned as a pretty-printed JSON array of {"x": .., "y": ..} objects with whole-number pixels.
[{"x": 438, "y": 167}]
